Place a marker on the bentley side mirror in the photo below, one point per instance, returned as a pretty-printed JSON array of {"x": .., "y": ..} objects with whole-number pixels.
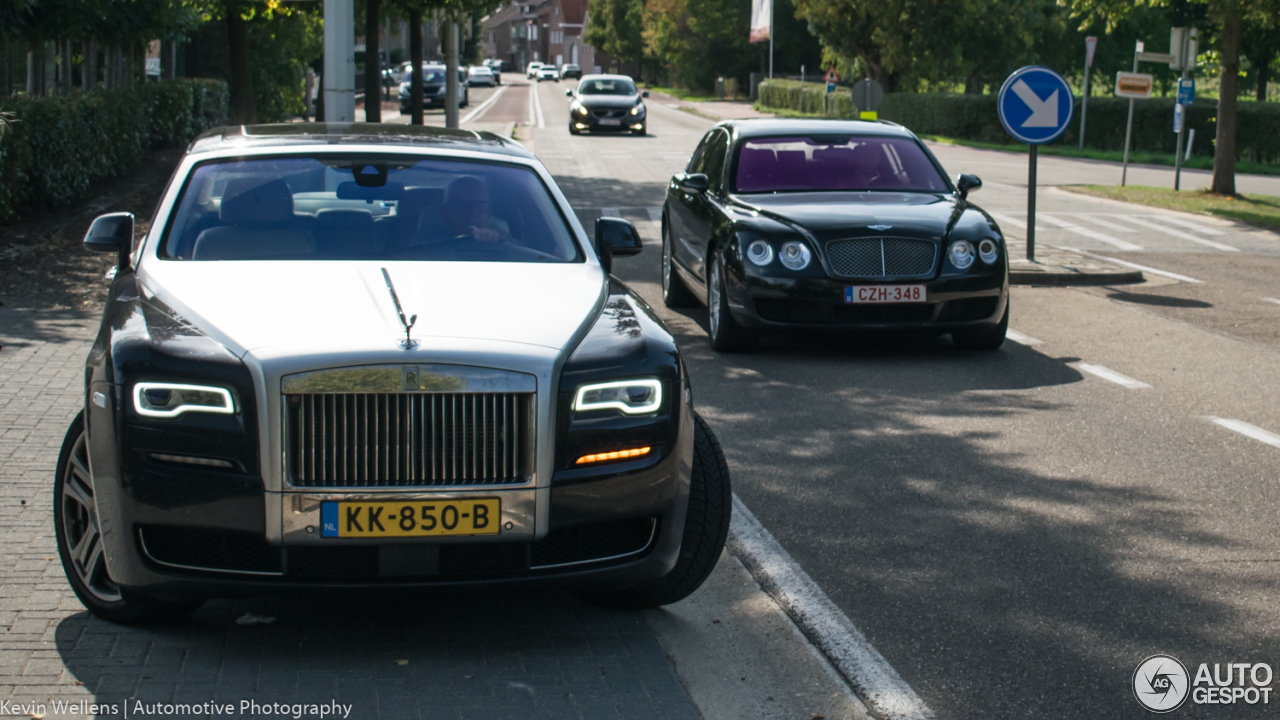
[
  {"x": 644, "y": 94},
  {"x": 568, "y": 93},
  {"x": 112, "y": 232},
  {"x": 966, "y": 183},
  {"x": 615, "y": 236},
  {"x": 695, "y": 183}
]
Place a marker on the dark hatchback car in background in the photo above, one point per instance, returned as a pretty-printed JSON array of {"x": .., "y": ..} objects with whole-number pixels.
[
  {"x": 373, "y": 356},
  {"x": 607, "y": 102},
  {"x": 570, "y": 72},
  {"x": 434, "y": 88},
  {"x": 786, "y": 225}
]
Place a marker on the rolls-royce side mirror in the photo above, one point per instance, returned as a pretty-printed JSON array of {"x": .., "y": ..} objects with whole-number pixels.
[
  {"x": 644, "y": 94},
  {"x": 615, "y": 236},
  {"x": 967, "y": 183},
  {"x": 695, "y": 183},
  {"x": 112, "y": 232}
]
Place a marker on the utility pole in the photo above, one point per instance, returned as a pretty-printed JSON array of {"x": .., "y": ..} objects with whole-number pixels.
[
  {"x": 339, "y": 61},
  {"x": 1128, "y": 130},
  {"x": 1187, "y": 54},
  {"x": 452, "y": 93}
]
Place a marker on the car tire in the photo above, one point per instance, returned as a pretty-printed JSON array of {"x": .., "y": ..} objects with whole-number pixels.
[
  {"x": 984, "y": 340},
  {"x": 675, "y": 294},
  {"x": 706, "y": 527},
  {"x": 75, "y": 518},
  {"x": 726, "y": 334}
]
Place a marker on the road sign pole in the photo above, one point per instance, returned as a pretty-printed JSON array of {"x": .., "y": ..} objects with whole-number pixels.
[
  {"x": 1128, "y": 130},
  {"x": 1031, "y": 206},
  {"x": 1182, "y": 131}
]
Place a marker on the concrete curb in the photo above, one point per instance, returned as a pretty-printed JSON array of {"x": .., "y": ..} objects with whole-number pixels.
[{"x": 1067, "y": 279}]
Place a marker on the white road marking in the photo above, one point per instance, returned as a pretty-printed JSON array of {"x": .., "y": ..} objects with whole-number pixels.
[
  {"x": 1135, "y": 266},
  {"x": 610, "y": 212},
  {"x": 1179, "y": 234},
  {"x": 1248, "y": 430},
  {"x": 535, "y": 108},
  {"x": 1019, "y": 338},
  {"x": 1272, "y": 300},
  {"x": 484, "y": 106},
  {"x": 1113, "y": 227},
  {"x": 856, "y": 659},
  {"x": 1086, "y": 232},
  {"x": 655, "y": 214},
  {"x": 1113, "y": 376},
  {"x": 1001, "y": 217},
  {"x": 1187, "y": 224}
]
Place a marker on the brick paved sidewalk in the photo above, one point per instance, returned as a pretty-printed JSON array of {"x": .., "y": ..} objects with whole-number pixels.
[{"x": 517, "y": 654}]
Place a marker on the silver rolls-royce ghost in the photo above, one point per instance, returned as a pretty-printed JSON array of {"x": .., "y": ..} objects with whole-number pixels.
[{"x": 378, "y": 356}]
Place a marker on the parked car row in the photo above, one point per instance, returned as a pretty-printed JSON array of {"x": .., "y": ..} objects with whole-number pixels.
[{"x": 539, "y": 71}]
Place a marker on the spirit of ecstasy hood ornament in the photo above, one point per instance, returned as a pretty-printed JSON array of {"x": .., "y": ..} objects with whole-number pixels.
[{"x": 408, "y": 343}]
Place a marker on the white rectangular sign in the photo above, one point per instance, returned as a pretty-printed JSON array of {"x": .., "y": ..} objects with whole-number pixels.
[
  {"x": 1090, "y": 46},
  {"x": 761, "y": 19},
  {"x": 1134, "y": 85}
]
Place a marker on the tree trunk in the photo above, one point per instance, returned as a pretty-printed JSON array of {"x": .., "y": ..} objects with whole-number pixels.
[
  {"x": 242, "y": 109},
  {"x": 415, "y": 66},
  {"x": 64, "y": 66},
  {"x": 1224, "y": 158},
  {"x": 5, "y": 79},
  {"x": 86, "y": 65},
  {"x": 372, "y": 63},
  {"x": 1264, "y": 75}
]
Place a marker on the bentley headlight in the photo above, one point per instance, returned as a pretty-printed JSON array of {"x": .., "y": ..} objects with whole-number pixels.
[
  {"x": 166, "y": 400},
  {"x": 961, "y": 254},
  {"x": 795, "y": 255},
  {"x": 989, "y": 251},
  {"x": 633, "y": 397},
  {"x": 760, "y": 252}
]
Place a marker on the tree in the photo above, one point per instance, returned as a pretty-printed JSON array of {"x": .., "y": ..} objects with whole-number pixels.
[
  {"x": 617, "y": 28},
  {"x": 1261, "y": 43}
]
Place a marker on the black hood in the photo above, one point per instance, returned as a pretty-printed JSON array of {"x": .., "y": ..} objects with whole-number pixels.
[
  {"x": 930, "y": 215},
  {"x": 607, "y": 101}
]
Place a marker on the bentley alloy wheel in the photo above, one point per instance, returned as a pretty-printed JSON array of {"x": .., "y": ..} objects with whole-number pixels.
[
  {"x": 675, "y": 294},
  {"x": 726, "y": 334}
]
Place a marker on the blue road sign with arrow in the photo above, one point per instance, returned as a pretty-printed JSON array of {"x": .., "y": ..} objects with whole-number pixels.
[{"x": 1035, "y": 104}]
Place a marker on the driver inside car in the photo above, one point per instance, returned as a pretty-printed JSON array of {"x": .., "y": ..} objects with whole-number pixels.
[{"x": 464, "y": 213}]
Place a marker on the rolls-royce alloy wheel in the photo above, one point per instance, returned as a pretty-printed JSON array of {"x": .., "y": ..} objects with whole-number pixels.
[
  {"x": 726, "y": 334},
  {"x": 706, "y": 527},
  {"x": 675, "y": 294},
  {"x": 79, "y": 538}
]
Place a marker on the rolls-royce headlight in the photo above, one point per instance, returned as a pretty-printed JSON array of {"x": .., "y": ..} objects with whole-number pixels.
[
  {"x": 795, "y": 255},
  {"x": 961, "y": 254},
  {"x": 760, "y": 252},
  {"x": 988, "y": 251},
  {"x": 633, "y": 397},
  {"x": 166, "y": 400}
]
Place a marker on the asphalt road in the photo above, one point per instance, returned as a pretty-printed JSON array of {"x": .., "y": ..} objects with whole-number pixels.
[{"x": 1013, "y": 531}]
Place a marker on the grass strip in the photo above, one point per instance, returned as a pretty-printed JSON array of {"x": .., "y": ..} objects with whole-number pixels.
[{"x": 1259, "y": 210}]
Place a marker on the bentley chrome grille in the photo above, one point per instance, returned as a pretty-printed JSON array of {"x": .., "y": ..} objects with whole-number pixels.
[
  {"x": 408, "y": 439},
  {"x": 882, "y": 257}
]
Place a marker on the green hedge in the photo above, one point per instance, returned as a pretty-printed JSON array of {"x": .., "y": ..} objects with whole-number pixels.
[
  {"x": 975, "y": 117},
  {"x": 57, "y": 146}
]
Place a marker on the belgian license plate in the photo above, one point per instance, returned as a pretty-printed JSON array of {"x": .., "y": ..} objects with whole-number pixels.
[
  {"x": 416, "y": 518},
  {"x": 884, "y": 293},
  {"x": 610, "y": 121}
]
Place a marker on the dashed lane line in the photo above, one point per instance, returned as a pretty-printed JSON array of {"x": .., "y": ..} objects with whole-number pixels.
[
  {"x": 1272, "y": 300},
  {"x": 1113, "y": 376},
  {"x": 1179, "y": 234},
  {"x": 1244, "y": 428},
  {"x": 1019, "y": 338},
  {"x": 1086, "y": 232},
  {"x": 1113, "y": 227},
  {"x": 854, "y": 657},
  {"x": 1135, "y": 266},
  {"x": 535, "y": 108}
]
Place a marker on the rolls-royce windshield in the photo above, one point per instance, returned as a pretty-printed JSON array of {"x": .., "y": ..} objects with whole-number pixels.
[{"x": 367, "y": 208}]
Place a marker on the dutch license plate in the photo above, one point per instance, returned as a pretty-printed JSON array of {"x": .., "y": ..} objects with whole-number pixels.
[
  {"x": 416, "y": 518},
  {"x": 610, "y": 121},
  {"x": 884, "y": 293}
]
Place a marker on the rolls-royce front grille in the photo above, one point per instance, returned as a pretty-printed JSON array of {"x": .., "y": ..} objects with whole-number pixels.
[
  {"x": 408, "y": 439},
  {"x": 882, "y": 257}
]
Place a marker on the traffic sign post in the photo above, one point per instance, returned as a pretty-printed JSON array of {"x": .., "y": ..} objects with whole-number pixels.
[
  {"x": 1182, "y": 44},
  {"x": 1035, "y": 106},
  {"x": 867, "y": 96},
  {"x": 831, "y": 78},
  {"x": 1090, "y": 45}
]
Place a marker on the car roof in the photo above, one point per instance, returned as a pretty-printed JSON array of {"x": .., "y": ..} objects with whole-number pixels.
[
  {"x": 283, "y": 135},
  {"x": 767, "y": 127},
  {"x": 607, "y": 77}
]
